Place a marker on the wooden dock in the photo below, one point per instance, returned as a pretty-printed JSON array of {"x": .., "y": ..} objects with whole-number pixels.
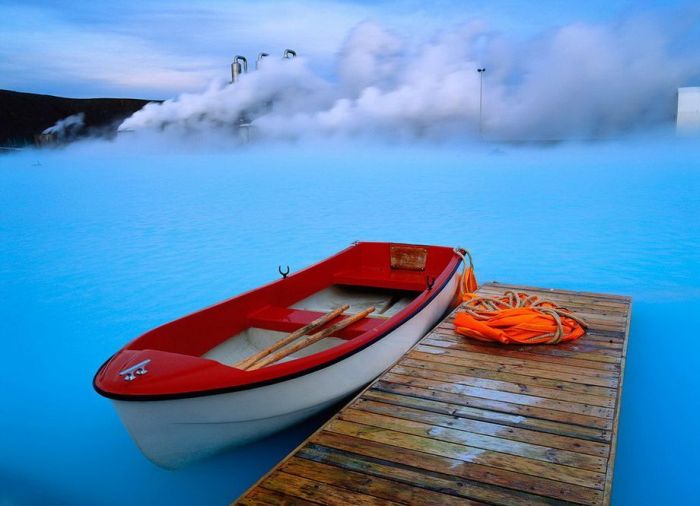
[{"x": 461, "y": 422}]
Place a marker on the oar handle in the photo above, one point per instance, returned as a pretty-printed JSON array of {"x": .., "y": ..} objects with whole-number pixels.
[
  {"x": 318, "y": 322},
  {"x": 311, "y": 339}
]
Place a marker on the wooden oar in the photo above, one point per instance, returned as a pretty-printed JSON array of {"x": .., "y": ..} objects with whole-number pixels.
[
  {"x": 311, "y": 339},
  {"x": 247, "y": 362}
]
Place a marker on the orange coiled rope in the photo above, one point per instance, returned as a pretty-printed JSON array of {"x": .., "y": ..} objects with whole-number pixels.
[{"x": 517, "y": 318}]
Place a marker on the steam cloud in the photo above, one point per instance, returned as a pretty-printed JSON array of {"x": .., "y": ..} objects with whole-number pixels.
[
  {"x": 67, "y": 128},
  {"x": 578, "y": 81}
]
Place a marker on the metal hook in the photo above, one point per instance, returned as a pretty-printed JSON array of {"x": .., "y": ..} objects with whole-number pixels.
[
  {"x": 283, "y": 273},
  {"x": 429, "y": 281}
]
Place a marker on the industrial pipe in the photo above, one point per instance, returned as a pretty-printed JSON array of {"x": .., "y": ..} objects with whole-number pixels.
[
  {"x": 260, "y": 57},
  {"x": 238, "y": 67}
]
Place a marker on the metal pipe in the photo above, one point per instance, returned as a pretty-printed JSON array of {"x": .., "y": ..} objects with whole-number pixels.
[
  {"x": 481, "y": 99},
  {"x": 238, "y": 67},
  {"x": 289, "y": 53},
  {"x": 260, "y": 57}
]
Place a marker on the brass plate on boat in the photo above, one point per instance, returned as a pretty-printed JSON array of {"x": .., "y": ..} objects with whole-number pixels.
[{"x": 409, "y": 258}]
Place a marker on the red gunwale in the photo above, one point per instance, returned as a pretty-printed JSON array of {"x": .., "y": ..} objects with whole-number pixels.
[{"x": 177, "y": 369}]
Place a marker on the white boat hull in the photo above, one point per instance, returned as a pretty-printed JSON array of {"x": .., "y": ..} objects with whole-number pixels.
[{"x": 173, "y": 433}]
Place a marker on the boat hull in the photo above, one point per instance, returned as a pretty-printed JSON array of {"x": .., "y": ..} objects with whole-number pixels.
[{"x": 173, "y": 433}]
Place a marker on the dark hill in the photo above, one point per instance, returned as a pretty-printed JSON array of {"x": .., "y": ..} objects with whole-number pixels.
[{"x": 25, "y": 115}]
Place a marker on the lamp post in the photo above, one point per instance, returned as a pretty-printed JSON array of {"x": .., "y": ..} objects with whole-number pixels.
[{"x": 481, "y": 97}]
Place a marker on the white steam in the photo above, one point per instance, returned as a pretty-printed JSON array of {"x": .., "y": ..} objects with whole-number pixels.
[
  {"x": 67, "y": 128},
  {"x": 577, "y": 81}
]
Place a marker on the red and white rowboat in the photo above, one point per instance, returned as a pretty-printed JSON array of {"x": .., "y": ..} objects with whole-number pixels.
[{"x": 181, "y": 398}]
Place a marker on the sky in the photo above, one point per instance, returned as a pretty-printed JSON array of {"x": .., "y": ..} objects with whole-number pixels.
[{"x": 150, "y": 49}]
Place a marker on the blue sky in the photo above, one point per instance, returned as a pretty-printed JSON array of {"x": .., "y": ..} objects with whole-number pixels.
[{"x": 151, "y": 49}]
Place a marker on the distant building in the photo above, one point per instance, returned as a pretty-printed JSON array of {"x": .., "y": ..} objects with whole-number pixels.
[{"x": 688, "y": 115}]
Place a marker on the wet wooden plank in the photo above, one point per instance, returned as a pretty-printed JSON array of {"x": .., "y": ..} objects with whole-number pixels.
[
  {"x": 412, "y": 478},
  {"x": 263, "y": 497},
  {"x": 551, "y": 293},
  {"x": 529, "y": 369},
  {"x": 520, "y": 357},
  {"x": 504, "y": 386},
  {"x": 497, "y": 406},
  {"x": 319, "y": 492},
  {"x": 533, "y": 403},
  {"x": 480, "y": 427},
  {"x": 448, "y": 467},
  {"x": 456, "y": 410},
  {"x": 464, "y": 437},
  {"x": 519, "y": 379},
  {"x": 457, "y": 421},
  {"x": 365, "y": 483}
]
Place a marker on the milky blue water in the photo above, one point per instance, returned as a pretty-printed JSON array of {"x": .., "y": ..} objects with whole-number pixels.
[{"x": 98, "y": 245}]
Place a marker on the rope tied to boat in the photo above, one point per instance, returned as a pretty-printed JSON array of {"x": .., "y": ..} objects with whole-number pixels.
[
  {"x": 514, "y": 317},
  {"x": 467, "y": 281}
]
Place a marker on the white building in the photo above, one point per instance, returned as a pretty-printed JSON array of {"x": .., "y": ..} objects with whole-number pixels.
[{"x": 688, "y": 115}]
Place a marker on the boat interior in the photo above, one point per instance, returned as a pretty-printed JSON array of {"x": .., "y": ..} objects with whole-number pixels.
[
  {"x": 383, "y": 276},
  {"x": 265, "y": 333}
]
